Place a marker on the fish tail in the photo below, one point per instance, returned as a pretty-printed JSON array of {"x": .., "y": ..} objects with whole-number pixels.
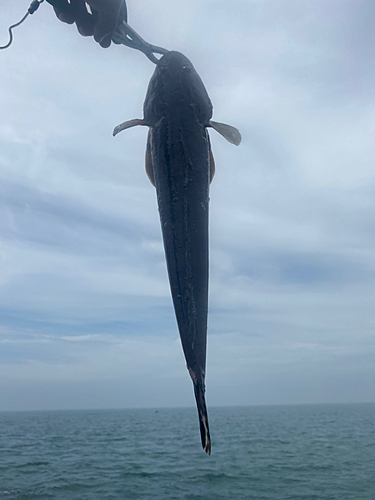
[{"x": 199, "y": 390}]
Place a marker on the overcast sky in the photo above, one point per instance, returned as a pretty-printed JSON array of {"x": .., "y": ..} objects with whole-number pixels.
[{"x": 86, "y": 318}]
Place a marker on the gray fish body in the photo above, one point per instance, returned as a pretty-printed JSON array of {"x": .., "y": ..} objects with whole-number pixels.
[
  {"x": 180, "y": 165},
  {"x": 178, "y": 109}
]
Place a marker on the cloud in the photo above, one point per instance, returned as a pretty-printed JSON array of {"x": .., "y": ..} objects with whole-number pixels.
[{"x": 86, "y": 317}]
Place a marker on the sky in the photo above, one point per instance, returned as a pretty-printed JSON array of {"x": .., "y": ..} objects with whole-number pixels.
[{"x": 86, "y": 317}]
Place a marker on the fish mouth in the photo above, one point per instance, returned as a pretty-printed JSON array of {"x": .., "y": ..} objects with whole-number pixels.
[{"x": 176, "y": 84}]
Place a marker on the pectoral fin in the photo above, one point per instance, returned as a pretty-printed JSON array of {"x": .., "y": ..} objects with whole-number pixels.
[
  {"x": 149, "y": 166},
  {"x": 230, "y": 133},
  {"x": 129, "y": 124}
]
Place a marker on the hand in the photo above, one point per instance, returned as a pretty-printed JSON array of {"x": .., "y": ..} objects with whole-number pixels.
[{"x": 105, "y": 17}]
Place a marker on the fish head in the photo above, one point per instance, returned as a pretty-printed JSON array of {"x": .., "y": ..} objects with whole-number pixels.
[{"x": 176, "y": 86}]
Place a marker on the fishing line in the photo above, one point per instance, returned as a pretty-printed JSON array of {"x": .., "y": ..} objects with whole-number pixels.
[{"x": 33, "y": 7}]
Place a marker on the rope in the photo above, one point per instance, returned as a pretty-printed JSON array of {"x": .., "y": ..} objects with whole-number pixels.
[
  {"x": 33, "y": 7},
  {"x": 10, "y": 31}
]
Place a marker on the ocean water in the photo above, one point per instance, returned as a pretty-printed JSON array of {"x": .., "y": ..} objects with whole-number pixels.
[{"x": 322, "y": 452}]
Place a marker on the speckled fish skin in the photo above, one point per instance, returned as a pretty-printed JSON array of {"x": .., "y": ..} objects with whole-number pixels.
[{"x": 178, "y": 110}]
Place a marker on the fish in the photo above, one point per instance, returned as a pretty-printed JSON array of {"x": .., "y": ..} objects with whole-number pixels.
[{"x": 180, "y": 164}]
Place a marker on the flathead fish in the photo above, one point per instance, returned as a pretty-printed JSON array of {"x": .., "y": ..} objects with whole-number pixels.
[{"x": 180, "y": 164}]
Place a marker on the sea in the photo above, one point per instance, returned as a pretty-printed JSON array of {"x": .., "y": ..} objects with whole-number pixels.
[{"x": 304, "y": 452}]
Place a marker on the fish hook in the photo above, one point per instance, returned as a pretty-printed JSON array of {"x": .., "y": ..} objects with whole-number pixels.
[{"x": 33, "y": 7}]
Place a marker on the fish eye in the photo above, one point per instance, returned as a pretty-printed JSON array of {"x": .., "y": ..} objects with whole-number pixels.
[{"x": 186, "y": 69}]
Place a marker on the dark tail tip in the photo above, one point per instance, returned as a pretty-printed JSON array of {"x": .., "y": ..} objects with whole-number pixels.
[{"x": 203, "y": 417}]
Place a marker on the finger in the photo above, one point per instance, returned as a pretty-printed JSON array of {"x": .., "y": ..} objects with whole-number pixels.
[
  {"x": 83, "y": 19},
  {"x": 106, "y": 42},
  {"x": 108, "y": 19},
  {"x": 114, "y": 6},
  {"x": 63, "y": 10}
]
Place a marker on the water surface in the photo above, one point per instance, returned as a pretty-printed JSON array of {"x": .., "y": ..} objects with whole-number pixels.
[{"x": 322, "y": 452}]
